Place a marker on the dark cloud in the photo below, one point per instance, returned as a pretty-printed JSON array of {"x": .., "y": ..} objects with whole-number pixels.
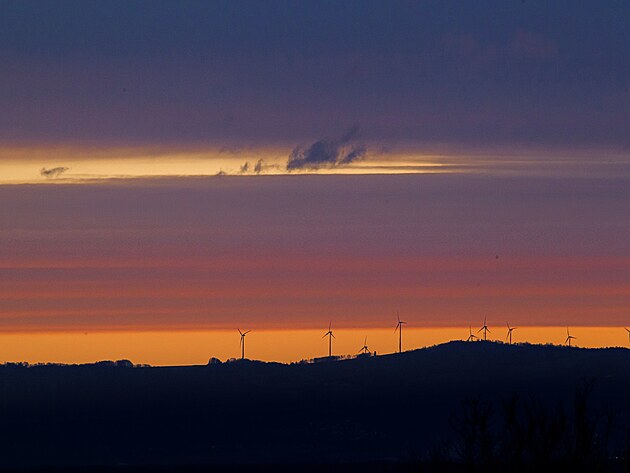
[
  {"x": 356, "y": 153},
  {"x": 259, "y": 166},
  {"x": 326, "y": 153},
  {"x": 53, "y": 172}
]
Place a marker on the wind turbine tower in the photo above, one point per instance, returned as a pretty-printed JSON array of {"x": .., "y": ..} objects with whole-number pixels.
[
  {"x": 509, "y": 333},
  {"x": 485, "y": 329},
  {"x": 569, "y": 338},
  {"x": 330, "y": 336},
  {"x": 365, "y": 348},
  {"x": 399, "y": 328},
  {"x": 243, "y": 342}
]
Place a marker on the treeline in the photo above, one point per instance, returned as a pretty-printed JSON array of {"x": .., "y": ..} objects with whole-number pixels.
[{"x": 525, "y": 435}]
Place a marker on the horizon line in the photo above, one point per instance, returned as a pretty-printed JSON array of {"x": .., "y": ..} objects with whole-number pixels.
[{"x": 314, "y": 360}]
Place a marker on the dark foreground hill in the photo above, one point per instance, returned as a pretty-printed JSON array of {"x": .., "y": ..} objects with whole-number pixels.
[{"x": 442, "y": 404}]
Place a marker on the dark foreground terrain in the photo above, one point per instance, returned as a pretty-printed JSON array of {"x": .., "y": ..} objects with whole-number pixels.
[{"x": 445, "y": 408}]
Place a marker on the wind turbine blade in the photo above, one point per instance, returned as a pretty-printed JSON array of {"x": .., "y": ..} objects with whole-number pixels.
[
  {"x": 247, "y": 332},
  {"x": 239, "y": 331},
  {"x": 398, "y": 316},
  {"x": 329, "y": 325},
  {"x": 480, "y": 330},
  {"x": 325, "y": 335},
  {"x": 488, "y": 330},
  {"x": 396, "y": 329},
  {"x": 365, "y": 341},
  {"x": 332, "y": 335}
]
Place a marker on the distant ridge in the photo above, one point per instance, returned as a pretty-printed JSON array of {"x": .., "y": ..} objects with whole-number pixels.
[{"x": 361, "y": 409}]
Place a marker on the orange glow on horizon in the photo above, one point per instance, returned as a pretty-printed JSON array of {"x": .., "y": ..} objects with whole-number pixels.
[{"x": 196, "y": 347}]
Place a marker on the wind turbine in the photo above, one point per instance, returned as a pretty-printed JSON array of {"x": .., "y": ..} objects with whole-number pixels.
[
  {"x": 365, "y": 347},
  {"x": 569, "y": 338},
  {"x": 399, "y": 328},
  {"x": 243, "y": 342},
  {"x": 509, "y": 332},
  {"x": 471, "y": 336},
  {"x": 330, "y": 336},
  {"x": 485, "y": 329},
  {"x": 628, "y": 330}
]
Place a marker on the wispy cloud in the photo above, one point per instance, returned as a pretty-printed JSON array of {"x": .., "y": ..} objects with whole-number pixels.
[
  {"x": 327, "y": 153},
  {"x": 259, "y": 166},
  {"x": 53, "y": 173}
]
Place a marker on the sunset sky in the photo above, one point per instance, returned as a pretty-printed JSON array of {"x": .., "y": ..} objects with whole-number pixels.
[{"x": 181, "y": 169}]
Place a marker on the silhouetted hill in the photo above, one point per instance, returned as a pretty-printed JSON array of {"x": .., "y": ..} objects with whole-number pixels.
[{"x": 390, "y": 408}]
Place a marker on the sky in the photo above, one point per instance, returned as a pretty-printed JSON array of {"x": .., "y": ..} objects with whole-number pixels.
[{"x": 200, "y": 166}]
